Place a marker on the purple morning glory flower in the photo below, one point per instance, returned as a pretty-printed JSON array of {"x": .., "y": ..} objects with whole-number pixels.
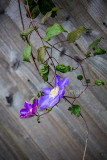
[
  {"x": 29, "y": 110},
  {"x": 52, "y": 95}
]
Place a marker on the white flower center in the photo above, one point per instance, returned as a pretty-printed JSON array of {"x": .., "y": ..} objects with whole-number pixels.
[{"x": 54, "y": 92}]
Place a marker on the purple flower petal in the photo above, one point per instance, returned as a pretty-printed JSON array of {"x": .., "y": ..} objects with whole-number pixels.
[
  {"x": 64, "y": 82},
  {"x": 53, "y": 101},
  {"x": 61, "y": 93},
  {"x": 29, "y": 110},
  {"x": 27, "y": 105},
  {"x": 23, "y": 111},
  {"x": 22, "y": 116},
  {"x": 25, "y": 116},
  {"x": 43, "y": 102},
  {"x": 34, "y": 110},
  {"x": 43, "y": 107},
  {"x": 46, "y": 91},
  {"x": 57, "y": 80},
  {"x": 34, "y": 103}
]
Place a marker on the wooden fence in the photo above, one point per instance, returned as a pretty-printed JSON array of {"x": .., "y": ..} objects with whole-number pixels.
[{"x": 59, "y": 136}]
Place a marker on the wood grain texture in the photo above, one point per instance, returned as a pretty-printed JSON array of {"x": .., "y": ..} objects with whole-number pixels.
[{"x": 59, "y": 136}]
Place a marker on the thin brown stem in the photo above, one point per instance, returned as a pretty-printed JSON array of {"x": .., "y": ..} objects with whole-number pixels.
[
  {"x": 21, "y": 15},
  {"x": 86, "y": 141}
]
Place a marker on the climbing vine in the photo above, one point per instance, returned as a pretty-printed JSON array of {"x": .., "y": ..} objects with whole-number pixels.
[{"x": 48, "y": 98}]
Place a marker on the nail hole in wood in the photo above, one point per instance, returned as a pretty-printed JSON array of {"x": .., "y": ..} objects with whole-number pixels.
[
  {"x": 77, "y": 46},
  {"x": 15, "y": 64},
  {"x": 9, "y": 99},
  {"x": 104, "y": 24},
  {"x": 88, "y": 32},
  {"x": 67, "y": 18}
]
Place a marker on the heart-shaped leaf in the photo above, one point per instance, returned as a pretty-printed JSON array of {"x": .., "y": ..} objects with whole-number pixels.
[
  {"x": 48, "y": 14},
  {"x": 98, "y": 82},
  {"x": 88, "y": 80},
  {"x": 62, "y": 68},
  {"x": 79, "y": 77},
  {"x": 73, "y": 36},
  {"x": 75, "y": 109},
  {"x": 34, "y": 11},
  {"x": 41, "y": 54},
  {"x": 40, "y": 94},
  {"x": 95, "y": 43},
  {"x": 53, "y": 31},
  {"x": 26, "y": 32},
  {"x": 27, "y": 52},
  {"x": 87, "y": 54},
  {"x": 99, "y": 51},
  {"x": 44, "y": 71}
]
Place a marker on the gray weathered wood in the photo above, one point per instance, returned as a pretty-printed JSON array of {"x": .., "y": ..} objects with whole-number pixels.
[{"x": 59, "y": 136}]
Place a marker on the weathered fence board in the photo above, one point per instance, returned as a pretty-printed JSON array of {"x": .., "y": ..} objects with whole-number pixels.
[{"x": 59, "y": 136}]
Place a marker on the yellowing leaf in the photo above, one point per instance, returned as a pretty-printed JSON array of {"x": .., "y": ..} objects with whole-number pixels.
[
  {"x": 48, "y": 14},
  {"x": 41, "y": 54},
  {"x": 26, "y": 32},
  {"x": 95, "y": 43},
  {"x": 35, "y": 12},
  {"x": 87, "y": 54},
  {"x": 73, "y": 36}
]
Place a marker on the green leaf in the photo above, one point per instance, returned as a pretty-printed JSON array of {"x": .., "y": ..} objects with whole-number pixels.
[
  {"x": 48, "y": 109},
  {"x": 48, "y": 14},
  {"x": 27, "y": 52},
  {"x": 87, "y": 54},
  {"x": 31, "y": 101},
  {"x": 30, "y": 2},
  {"x": 41, "y": 54},
  {"x": 88, "y": 81},
  {"x": 62, "y": 68},
  {"x": 73, "y": 36},
  {"x": 26, "y": 32},
  {"x": 94, "y": 43},
  {"x": 40, "y": 94},
  {"x": 46, "y": 6},
  {"x": 99, "y": 51},
  {"x": 53, "y": 31},
  {"x": 34, "y": 11},
  {"x": 44, "y": 71},
  {"x": 75, "y": 109},
  {"x": 79, "y": 77},
  {"x": 98, "y": 82}
]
